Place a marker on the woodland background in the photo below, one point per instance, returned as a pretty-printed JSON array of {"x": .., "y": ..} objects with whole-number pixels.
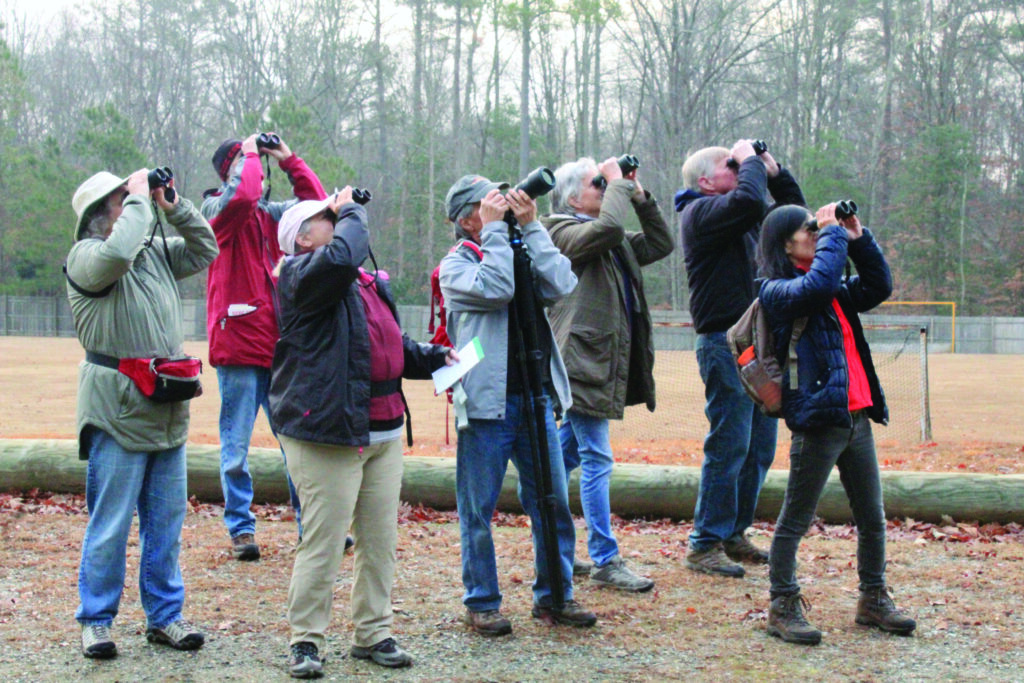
[{"x": 911, "y": 107}]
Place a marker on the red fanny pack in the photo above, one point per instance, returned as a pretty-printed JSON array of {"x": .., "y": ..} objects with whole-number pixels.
[{"x": 161, "y": 380}]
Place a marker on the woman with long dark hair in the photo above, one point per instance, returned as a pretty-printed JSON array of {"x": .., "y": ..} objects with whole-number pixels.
[{"x": 802, "y": 258}]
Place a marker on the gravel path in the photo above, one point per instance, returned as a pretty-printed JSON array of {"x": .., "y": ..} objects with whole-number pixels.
[{"x": 968, "y": 598}]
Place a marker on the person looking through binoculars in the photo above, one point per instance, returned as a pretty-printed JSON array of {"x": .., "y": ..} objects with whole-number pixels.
[
  {"x": 336, "y": 402},
  {"x": 121, "y": 284},
  {"x": 493, "y": 407},
  {"x": 603, "y": 329},
  {"x": 241, "y": 321},
  {"x": 721, "y": 209}
]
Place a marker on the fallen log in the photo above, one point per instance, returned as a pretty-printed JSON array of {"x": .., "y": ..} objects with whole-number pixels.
[{"x": 650, "y": 491}]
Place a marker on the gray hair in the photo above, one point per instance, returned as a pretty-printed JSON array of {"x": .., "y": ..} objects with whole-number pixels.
[
  {"x": 464, "y": 213},
  {"x": 96, "y": 222},
  {"x": 701, "y": 164},
  {"x": 569, "y": 183},
  {"x": 304, "y": 228}
]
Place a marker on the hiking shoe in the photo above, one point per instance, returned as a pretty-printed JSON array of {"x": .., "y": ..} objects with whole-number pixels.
[
  {"x": 581, "y": 567},
  {"x": 488, "y": 623},
  {"x": 97, "y": 643},
  {"x": 571, "y": 614},
  {"x": 876, "y": 608},
  {"x": 244, "y": 548},
  {"x": 305, "y": 661},
  {"x": 617, "y": 575},
  {"x": 740, "y": 549},
  {"x": 386, "y": 653},
  {"x": 786, "y": 620},
  {"x": 713, "y": 560},
  {"x": 349, "y": 542},
  {"x": 179, "y": 634}
]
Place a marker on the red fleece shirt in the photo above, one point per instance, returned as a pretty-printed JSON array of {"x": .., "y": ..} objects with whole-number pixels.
[
  {"x": 860, "y": 390},
  {"x": 387, "y": 355}
]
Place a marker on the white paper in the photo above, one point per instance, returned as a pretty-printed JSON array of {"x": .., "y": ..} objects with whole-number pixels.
[
  {"x": 471, "y": 354},
  {"x": 235, "y": 310}
]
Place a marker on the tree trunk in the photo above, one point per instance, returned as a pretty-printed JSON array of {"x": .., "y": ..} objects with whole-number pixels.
[{"x": 636, "y": 490}]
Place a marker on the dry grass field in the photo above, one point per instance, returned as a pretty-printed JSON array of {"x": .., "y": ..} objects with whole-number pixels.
[{"x": 975, "y": 410}]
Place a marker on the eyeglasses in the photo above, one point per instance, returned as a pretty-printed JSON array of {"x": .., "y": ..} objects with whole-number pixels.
[{"x": 811, "y": 226}]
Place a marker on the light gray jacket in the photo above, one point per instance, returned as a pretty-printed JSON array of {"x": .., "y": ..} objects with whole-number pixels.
[
  {"x": 477, "y": 293},
  {"x": 141, "y": 317}
]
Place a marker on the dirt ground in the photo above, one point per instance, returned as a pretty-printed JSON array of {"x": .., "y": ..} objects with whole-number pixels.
[{"x": 963, "y": 583}]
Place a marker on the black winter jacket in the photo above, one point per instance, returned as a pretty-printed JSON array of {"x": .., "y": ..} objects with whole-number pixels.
[
  {"x": 822, "y": 397},
  {"x": 320, "y": 382},
  {"x": 719, "y": 239}
]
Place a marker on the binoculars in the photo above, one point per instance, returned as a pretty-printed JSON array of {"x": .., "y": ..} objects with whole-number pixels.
[
  {"x": 846, "y": 208},
  {"x": 361, "y": 196},
  {"x": 538, "y": 183},
  {"x": 627, "y": 164},
  {"x": 760, "y": 147},
  {"x": 268, "y": 141},
  {"x": 162, "y": 177}
]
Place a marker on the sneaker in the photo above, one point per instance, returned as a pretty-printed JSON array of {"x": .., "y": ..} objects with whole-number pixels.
[
  {"x": 713, "y": 560},
  {"x": 876, "y": 608},
  {"x": 617, "y": 575},
  {"x": 571, "y": 614},
  {"x": 581, "y": 567},
  {"x": 244, "y": 548},
  {"x": 179, "y": 634},
  {"x": 305, "y": 661},
  {"x": 740, "y": 549},
  {"x": 386, "y": 653},
  {"x": 488, "y": 623},
  {"x": 97, "y": 643},
  {"x": 786, "y": 620}
]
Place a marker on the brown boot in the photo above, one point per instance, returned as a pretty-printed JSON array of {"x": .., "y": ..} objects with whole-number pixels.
[
  {"x": 488, "y": 623},
  {"x": 876, "y": 608},
  {"x": 786, "y": 620},
  {"x": 571, "y": 614}
]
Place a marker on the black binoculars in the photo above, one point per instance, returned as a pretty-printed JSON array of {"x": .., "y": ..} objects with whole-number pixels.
[
  {"x": 162, "y": 177},
  {"x": 627, "y": 164},
  {"x": 268, "y": 141},
  {"x": 361, "y": 196},
  {"x": 760, "y": 147},
  {"x": 538, "y": 183},
  {"x": 846, "y": 208}
]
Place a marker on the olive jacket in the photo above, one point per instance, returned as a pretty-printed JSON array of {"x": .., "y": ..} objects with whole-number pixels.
[
  {"x": 609, "y": 357},
  {"x": 140, "y": 317}
]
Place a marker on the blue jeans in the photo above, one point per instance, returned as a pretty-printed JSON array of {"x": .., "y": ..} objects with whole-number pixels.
[
  {"x": 243, "y": 389},
  {"x": 811, "y": 458},
  {"x": 482, "y": 456},
  {"x": 585, "y": 444},
  {"x": 118, "y": 482},
  {"x": 738, "y": 449}
]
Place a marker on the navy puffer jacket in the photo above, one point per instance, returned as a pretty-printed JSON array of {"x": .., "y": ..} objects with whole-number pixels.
[{"x": 822, "y": 396}]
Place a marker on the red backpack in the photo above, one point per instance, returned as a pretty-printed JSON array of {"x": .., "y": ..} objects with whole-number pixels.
[{"x": 437, "y": 309}]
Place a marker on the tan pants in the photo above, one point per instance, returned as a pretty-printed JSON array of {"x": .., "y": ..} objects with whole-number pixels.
[{"x": 339, "y": 486}]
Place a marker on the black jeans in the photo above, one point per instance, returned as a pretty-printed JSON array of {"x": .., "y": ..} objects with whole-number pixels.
[{"x": 811, "y": 458}]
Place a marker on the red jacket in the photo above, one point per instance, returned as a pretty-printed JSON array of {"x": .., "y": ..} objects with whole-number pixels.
[{"x": 241, "y": 322}]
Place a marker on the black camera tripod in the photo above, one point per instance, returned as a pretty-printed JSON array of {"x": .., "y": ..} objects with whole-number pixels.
[{"x": 522, "y": 318}]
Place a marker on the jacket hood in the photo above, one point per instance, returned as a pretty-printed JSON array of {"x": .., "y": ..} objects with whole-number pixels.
[{"x": 684, "y": 197}]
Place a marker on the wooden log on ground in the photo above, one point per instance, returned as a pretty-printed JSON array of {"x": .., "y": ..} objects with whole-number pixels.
[{"x": 650, "y": 491}]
